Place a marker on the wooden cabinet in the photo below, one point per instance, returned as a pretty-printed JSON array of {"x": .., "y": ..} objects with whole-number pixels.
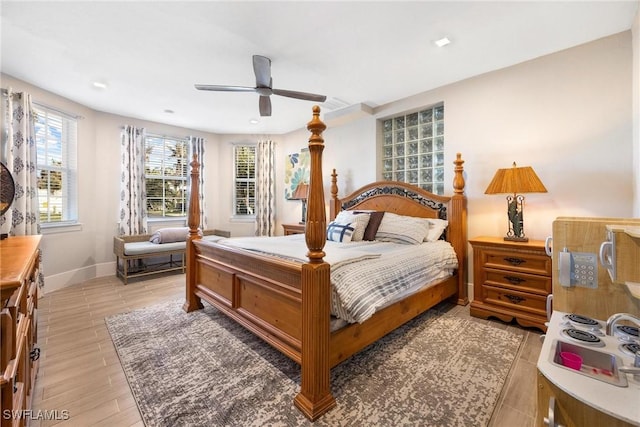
[
  {"x": 511, "y": 280},
  {"x": 19, "y": 258},
  {"x": 293, "y": 229},
  {"x": 560, "y": 408}
]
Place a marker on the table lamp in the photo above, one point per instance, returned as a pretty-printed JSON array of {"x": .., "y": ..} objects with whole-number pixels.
[
  {"x": 301, "y": 193},
  {"x": 515, "y": 181}
]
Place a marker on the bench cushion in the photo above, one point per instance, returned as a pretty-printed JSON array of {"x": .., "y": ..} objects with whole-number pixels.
[{"x": 144, "y": 248}]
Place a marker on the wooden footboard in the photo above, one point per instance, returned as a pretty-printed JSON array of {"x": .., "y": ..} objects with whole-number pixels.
[{"x": 287, "y": 304}]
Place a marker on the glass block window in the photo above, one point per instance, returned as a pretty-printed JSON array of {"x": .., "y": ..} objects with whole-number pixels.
[
  {"x": 413, "y": 149},
  {"x": 165, "y": 169},
  {"x": 56, "y": 141},
  {"x": 244, "y": 177}
]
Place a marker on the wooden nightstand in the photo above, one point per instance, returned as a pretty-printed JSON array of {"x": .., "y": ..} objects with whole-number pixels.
[
  {"x": 510, "y": 280},
  {"x": 293, "y": 229}
]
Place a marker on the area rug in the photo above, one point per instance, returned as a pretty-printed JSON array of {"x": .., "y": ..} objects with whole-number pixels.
[{"x": 201, "y": 369}]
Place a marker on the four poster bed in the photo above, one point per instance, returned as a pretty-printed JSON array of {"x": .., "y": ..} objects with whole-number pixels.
[{"x": 288, "y": 303}]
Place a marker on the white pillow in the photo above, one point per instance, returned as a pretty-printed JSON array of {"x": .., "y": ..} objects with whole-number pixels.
[
  {"x": 436, "y": 228},
  {"x": 402, "y": 229},
  {"x": 358, "y": 221},
  {"x": 337, "y": 232}
]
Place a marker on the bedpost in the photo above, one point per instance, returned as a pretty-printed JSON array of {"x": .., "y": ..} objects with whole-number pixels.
[
  {"x": 458, "y": 237},
  {"x": 193, "y": 302},
  {"x": 334, "y": 206},
  {"x": 315, "y": 396}
]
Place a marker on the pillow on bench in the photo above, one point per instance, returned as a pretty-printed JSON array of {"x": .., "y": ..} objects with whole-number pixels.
[{"x": 170, "y": 235}]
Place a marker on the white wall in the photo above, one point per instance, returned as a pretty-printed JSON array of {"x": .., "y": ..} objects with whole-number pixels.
[{"x": 568, "y": 115}]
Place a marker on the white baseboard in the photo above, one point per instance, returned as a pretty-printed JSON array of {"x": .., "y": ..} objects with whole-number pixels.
[{"x": 68, "y": 278}]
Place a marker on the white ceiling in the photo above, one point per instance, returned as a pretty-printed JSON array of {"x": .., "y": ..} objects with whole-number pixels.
[{"x": 151, "y": 53}]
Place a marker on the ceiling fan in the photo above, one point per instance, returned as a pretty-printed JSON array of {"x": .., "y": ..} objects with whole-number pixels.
[{"x": 264, "y": 82}]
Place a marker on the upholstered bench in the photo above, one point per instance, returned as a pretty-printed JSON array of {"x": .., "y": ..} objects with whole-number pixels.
[{"x": 141, "y": 247}]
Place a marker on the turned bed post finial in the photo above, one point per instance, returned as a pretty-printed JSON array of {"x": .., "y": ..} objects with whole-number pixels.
[
  {"x": 315, "y": 230},
  {"x": 334, "y": 206},
  {"x": 315, "y": 396},
  {"x": 458, "y": 179},
  {"x": 192, "y": 301},
  {"x": 193, "y": 220}
]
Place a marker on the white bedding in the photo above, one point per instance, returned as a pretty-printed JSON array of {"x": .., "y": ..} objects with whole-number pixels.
[{"x": 366, "y": 276}]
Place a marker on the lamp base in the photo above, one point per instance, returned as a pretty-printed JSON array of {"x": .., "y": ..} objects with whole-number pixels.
[{"x": 516, "y": 239}]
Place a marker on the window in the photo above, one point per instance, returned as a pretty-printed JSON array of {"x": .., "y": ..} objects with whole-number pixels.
[
  {"x": 56, "y": 138},
  {"x": 413, "y": 149},
  {"x": 244, "y": 178},
  {"x": 165, "y": 169}
]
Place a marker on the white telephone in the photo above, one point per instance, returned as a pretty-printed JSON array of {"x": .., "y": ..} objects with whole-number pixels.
[
  {"x": 564, "y": 267},
  {"x": 577, "y": 269}
]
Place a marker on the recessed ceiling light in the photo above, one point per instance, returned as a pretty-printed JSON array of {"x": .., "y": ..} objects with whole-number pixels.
[
  {"x": 169, "y": 111},
  {"x": 254, "y": 121},
  {"x": 100, "y": 85},
  {"x": 442, "y": 42}
]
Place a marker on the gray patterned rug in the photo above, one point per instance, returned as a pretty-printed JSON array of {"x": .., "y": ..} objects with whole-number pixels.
[{"x": 201, "y": 369}]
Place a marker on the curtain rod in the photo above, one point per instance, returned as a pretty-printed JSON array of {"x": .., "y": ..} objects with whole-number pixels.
[
  {"x": 57, "y": 110},
  {"x": 5, "y": 92}
]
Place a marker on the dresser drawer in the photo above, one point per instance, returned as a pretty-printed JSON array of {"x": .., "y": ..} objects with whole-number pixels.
[
  {"x": 518, "y": 281},
  {"x": 521, "y": 301},
  {"x": 520, "y": 261}
]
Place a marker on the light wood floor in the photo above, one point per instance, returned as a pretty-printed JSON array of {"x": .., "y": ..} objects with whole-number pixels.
[{"x": 80, "y": 371}]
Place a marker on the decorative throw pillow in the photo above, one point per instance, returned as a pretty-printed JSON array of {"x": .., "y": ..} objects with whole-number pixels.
[
  {"x": 358, "y": 221},
  {"x": 170, "y": 235},
  {"x": 436, "y": 228},
  {"x": 375, "y": 217},
  {"x": 337, "y": 232},
  {"x": 402, "y": 229}
]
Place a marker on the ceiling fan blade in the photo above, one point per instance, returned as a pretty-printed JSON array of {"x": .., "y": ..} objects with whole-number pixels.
[
  {"x": 300, "y": 95},
  {"x": 220, "y": 88},
  {"x": 265, "y": 106},
  {"x": 262, "y": 69}
]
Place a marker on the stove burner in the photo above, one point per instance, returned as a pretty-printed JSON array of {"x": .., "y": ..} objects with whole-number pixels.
[
  {"x": 628, "y": 330},
  {"x": 583, "y": 337},
  {"x": 630, "y": 349},
  {"x": 582, "y": 320}
]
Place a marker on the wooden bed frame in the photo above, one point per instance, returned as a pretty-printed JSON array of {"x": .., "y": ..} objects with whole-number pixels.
[{"x": 287, "y": 304}]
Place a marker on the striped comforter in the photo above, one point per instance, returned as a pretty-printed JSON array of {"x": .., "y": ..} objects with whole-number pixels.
[{"x": 366, "y": 276}]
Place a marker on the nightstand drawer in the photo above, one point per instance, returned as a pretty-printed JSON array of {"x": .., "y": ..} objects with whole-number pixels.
[
  {"x": 522, "y": 301},
  {"x": 518, "y": 281},
  {"x": 522, "y": 262}
]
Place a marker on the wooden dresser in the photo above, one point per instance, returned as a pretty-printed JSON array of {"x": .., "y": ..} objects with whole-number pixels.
[
  {"x": 510, "y": 280},
  {"x": 19, "y": 268}
]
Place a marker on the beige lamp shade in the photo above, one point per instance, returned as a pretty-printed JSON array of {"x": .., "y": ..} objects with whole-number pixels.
[
  {"x": 515, "y": 180},
  {"x": 301, "y": 192}
]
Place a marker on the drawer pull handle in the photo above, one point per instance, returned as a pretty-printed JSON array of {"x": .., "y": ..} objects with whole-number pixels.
[
  {"x": 514, "y": 280},
  {"x": 514, "y": 298},
  {"x": 515, "y": 261},
  {"x": 34, "y": 354}
]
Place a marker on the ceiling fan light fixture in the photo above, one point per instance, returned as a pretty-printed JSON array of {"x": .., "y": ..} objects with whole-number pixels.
[{"x": 442, "y": 42}]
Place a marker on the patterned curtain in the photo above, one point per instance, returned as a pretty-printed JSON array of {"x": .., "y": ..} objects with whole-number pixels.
[
  {"x": 265, "y": 188},
  {"x": 23, "y": 217},
  {"x": 196, "y": 146},
  {"x": 133, "y": 197}
]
